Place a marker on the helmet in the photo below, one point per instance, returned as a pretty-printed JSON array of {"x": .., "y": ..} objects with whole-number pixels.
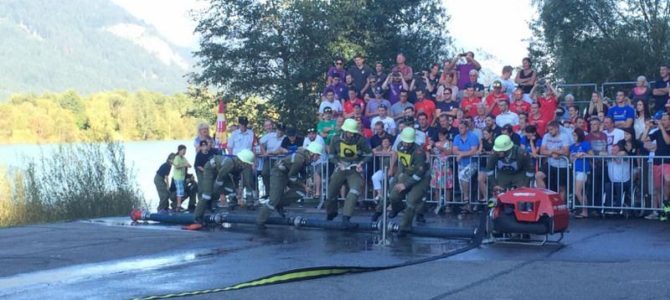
[
  {"x": 246, "y": 156},
  {"x": 407, "y": 135},
  {"x": 502, "y": 143},
  {"x": 315, "y": 148},
  {"x": 350, "y": 125}
]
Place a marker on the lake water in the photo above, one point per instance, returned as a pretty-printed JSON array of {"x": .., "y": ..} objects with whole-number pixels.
[{"x": 143, "y": 157}]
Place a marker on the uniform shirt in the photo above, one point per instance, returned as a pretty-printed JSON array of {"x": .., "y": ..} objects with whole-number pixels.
[
  {"x": 389, "y": 124},
  {"x": 241, "y": 140},
  {"x": 621, "y": 113},
  {"x": 164, "y": 169},
  {"x": 556, "y": 143},
  {"x": 225, "y": 166},
  {"x": 613, "y": 137},
  {"x": 515, "y": 162},
  {"x": 336, "y": 106},
  {"x": 412, "y": 165},
  {"x": 355, "y": 150}
]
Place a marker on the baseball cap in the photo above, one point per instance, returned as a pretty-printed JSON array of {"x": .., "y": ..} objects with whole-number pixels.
[
  {"x": 377, "y": 90},
  {"x": 291, "y": 131},
  {"x": 382, "y": 106},
  {"x": 497, "y": 83},
  {"x": 243, "y": 120},
  {"x": 311, "y": 130},
  {"x": 327, "y": 110}
]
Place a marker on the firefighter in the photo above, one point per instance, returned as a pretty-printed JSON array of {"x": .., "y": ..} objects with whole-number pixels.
[
  {"x": 222, "y": 172},
  {"x": 511, "y": 165},
  {"x": 349, "y": 151},
  {"x": 285, "y": 187},
  {"x": 411, "y": 181}
]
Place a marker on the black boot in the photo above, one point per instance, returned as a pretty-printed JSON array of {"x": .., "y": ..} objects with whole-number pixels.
[
  {"x": 394, "y": 212},
  {"x": 403, "y": 233},
  {"x": 375, "y": 216},
  {"x": 346, "y": 223},
  {"x": 331, "y": 216},
  {"x": 420, "y": 218},
  {"x": 280, "y": 211}
]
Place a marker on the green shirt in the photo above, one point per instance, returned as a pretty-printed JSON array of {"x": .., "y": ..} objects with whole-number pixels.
[
  {"x": 179, "y": 172},
  {"x": 324, "y": 124}
]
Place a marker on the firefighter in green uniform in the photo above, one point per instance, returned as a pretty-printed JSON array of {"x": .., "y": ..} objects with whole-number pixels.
[
  {"x": 222, "y": 172},
  {"x": 348, "y": 152},
  {"x": 411, "y": 181},
  {"x": 510, "y": 164},
  {"x": 285, "y": 187}
]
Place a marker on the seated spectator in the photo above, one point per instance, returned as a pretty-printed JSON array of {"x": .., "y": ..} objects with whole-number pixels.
[
  {"x": 478, "y": 87},
  {"x": 622, "y": 113},
  {"x": 338, "y": 87},
  {"x": 242, "y": 138},
  {"x": 383, "y": 153},
  {"x": 580, "y": 122},
  {"x": 336, "y": 71},
  {"x": 202, "y": 134},
  {"x": 573, "y": 114},
  {"x": 394, "y": 84},
  {"x": 492, "y": 99},
  {"x": 531, "y": 141},
  {"x": 370, "y": 85},
  {"x": 372, "y": 107},
  {"x": 445, "y": 104},
  {"x": 291, "y": 142},
  {"x": 379, "y": 134},
  {"x": 506, "y": 80},
  {"x": 493, "y": 127},
  {"x": 519, "y": 105},
  {"x": 449, "y": 80},
  {"x": 326, "y": 127},
  {"x": 350, "y": 102},
  {"x": 508, "y": 130},
  {"x": 630, "y": 144},
  {"x": 432, "y": 80},
  {"x": 641, "y": 91},
  {"x": 332, "y": 103},
  {"x": 469, "y": 102},
  {"x": 596, "y": 106},
  {"x": 463, "y": 68},
  {"x": 526, "y": 78},
  {"x": 349, "y": 84},
  {"x": 479, "y": 121},
  {"x": 398, "y": 109},
  {"x": 389, "y": 123},
  {"x": 444, "y": 123},
  {"x": 506, "y": 116},
  {"x": 423, "y": 105},
  {"x": 364, "y": 130}
]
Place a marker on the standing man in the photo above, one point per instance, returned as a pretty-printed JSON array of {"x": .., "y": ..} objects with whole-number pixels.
[
  {"x": 360, "y": 72},
  {"x": 506, "y": 81},
  {"x": 285, "y": 186},
  {"x": 555, "y": 144},
  {"x": 223, "y": 172},
  {"x": 613, "y": 134},
  {"x": 405, "y": 70},
  {"x": 242, "y": 138},
  {"x": 464, "y": 69},
  {"x": 411, "y": 181},
  {"x": 466, "y": 144},
  {"x": 661, "y": 89},
  {"x": 349, "y": 151},
  {"x": 622, "y": 114},
  {"x": 661, "y": 169}
]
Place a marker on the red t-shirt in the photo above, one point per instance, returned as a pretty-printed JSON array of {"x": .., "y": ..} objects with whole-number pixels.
[
  {"x": 492, "y": 101},
  {"x": 348, "y": 105},
  {"x": 520, "y": 106},
  {"x": 548, "y": 107},
  {"x": 540, "y": 123},
  {"x": 469, "y": 106},
  {"x": 426, "y": 106}
]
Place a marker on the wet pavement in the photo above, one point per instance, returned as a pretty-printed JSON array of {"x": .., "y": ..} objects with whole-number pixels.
[{"x": 113, "y": 259}]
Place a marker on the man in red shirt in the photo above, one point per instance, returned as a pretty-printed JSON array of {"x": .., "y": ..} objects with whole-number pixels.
[
  {"x": 405, "y": 70},
  {"x": 352, "y": 100},
  {"x": 469, "y": 102},
  {"x": 519, "y": 105},
  {"x": 423, "y": 105},
  {"x": 548, "y": 102},
  {"x": 537, "y": 119},
  {"x": 493, "y": 98}
]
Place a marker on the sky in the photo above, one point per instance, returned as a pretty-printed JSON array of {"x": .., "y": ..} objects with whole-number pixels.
[{"x": 497, "y": 27}]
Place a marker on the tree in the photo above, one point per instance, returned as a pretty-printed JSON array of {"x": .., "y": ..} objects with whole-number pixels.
[
  {"x": 279, "y": 50},
  {"x": 598, "y": 41}
]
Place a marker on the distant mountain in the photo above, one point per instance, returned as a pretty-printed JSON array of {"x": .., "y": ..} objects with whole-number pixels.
[{"x": 84, "y": 45}]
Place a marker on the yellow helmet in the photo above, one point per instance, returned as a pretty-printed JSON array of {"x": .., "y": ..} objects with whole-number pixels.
[
  {"x": 350, "y": 125},
  {"x": 315, "y": 148},
  {"x": 246, "y": 156},
  {"x": 502, "y": 143},
  {"x": 408, "y": 135}
]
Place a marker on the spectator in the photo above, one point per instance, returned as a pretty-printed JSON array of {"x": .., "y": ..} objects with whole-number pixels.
[
  {"x": 580, "y": 122},
  {"x": 536, "y": 118},
  {"x": 423, "y": 105},
  {"x": 181, "y": 165},
  {"x": 641, "y": 91},
  {"x": 578, "y": 150},
  {"x": 506, "y": 116},
  {"x": 466, "y": 144},
  {"x": 339, "y": 89},
  {"x": 492, "y": 99},
  {"x": 370, "y": 85},
  {"x": 349, "y": 85},
  {"x": 441, "y": 170},
  {"x": 372, "y": 107},
  {"x": 336, "y": 71},
  {"x": 313, "y": 137},
  {"x": 619, "y": 184},
  {"x": 596, "y": 106},
  {"x": 531, "y": 141},
  {"x": 630, "y": 144},
  {"x": 202, "y": 134},
  {"x": 479, "y": 121},
  {"x": 622, "y": 114},
  {"x": 380, "y": 134},
  {"x": 485, "y": 149},
  {"x": 526, "y": 78},
  {"x": 549, "y": 101},
  {"x": 405, "y": 70},
  {"x": 508, "y": 130},
  {"x": 464, "y": 69},
  {"x": 359, "y": 73},
  {"x": 291, "y": 142},
  {"x": 661, "y": 89},
  {"x": 519, "y": 105},
  {"x": 661, "y": 169},
  {"x": 424, "y": 127},
  {"x": 573, "y": 114},
  {"x": 472, "y": 127},
  {"x": 569, "y": 102},
  {"x": 523, "y": 122},
  {"x": 506, "y": 80},
  {"x": 614, "y": 135},
  {"x": 363, "y": 130},
  {"x": 398, "y": 109},
  {"x": 641, "y": 117},
  {"x": 383, "y": 153},
  {"x": 380, "y": 76},
  {"x": 444, "y": 123},
  {"x": 332, "y": 103},
  {"x": 469, "y": 102},
  {"x": 445, "y": 104},
  {"x": 479, "y": 88},
  {"x": 554, "y": 144},
  {"x": 348, "y": 105},
  {"x": 242, "y": 138},
  {"x": 432, "y": 81},
  {"x": 449, "y": 80},
  {"x": 493, "y": 127},
  {"x": 395, "y": 84},
  {"x": 327, "y": 126},
  {"x": 598, "y": 141},
  {"x": 389, "y": 123}
]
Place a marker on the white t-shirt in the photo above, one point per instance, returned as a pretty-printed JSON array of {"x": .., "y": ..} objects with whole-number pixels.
[
  {"x": 318, "y": 140},
  {"x": 612, "y": 138},
  {"x": 271, "y": 142},
  {"x": 389, "y": 124},
  {"x": 336, "y": 106},
  {"x": 508, "y": 117},
  {"x": 241, "y": 140},
  {"x": 556, "y": 143}
]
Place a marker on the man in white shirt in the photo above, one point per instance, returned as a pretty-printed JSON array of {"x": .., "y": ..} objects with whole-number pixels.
[
  {"x": 242, "y": 138},
  {"x": 506, "y": 116},
  {"x": 614, "y": 135},
  {"x": 555, "y": 144},
  {"x": 270, "y": 143},
  {"x": 319, "y": 165},
  {"x": 389, "y": 123},
  {"x": 330, "y": 101}
]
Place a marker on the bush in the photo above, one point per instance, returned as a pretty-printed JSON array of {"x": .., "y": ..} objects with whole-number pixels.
[{"x": 75, "y": 181}]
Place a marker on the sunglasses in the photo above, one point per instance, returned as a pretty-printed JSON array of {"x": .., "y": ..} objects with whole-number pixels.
[{"x": 338, "y": 63}]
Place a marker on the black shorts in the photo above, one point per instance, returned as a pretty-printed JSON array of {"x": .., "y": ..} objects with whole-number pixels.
[{"x": 556, "y": 177}]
